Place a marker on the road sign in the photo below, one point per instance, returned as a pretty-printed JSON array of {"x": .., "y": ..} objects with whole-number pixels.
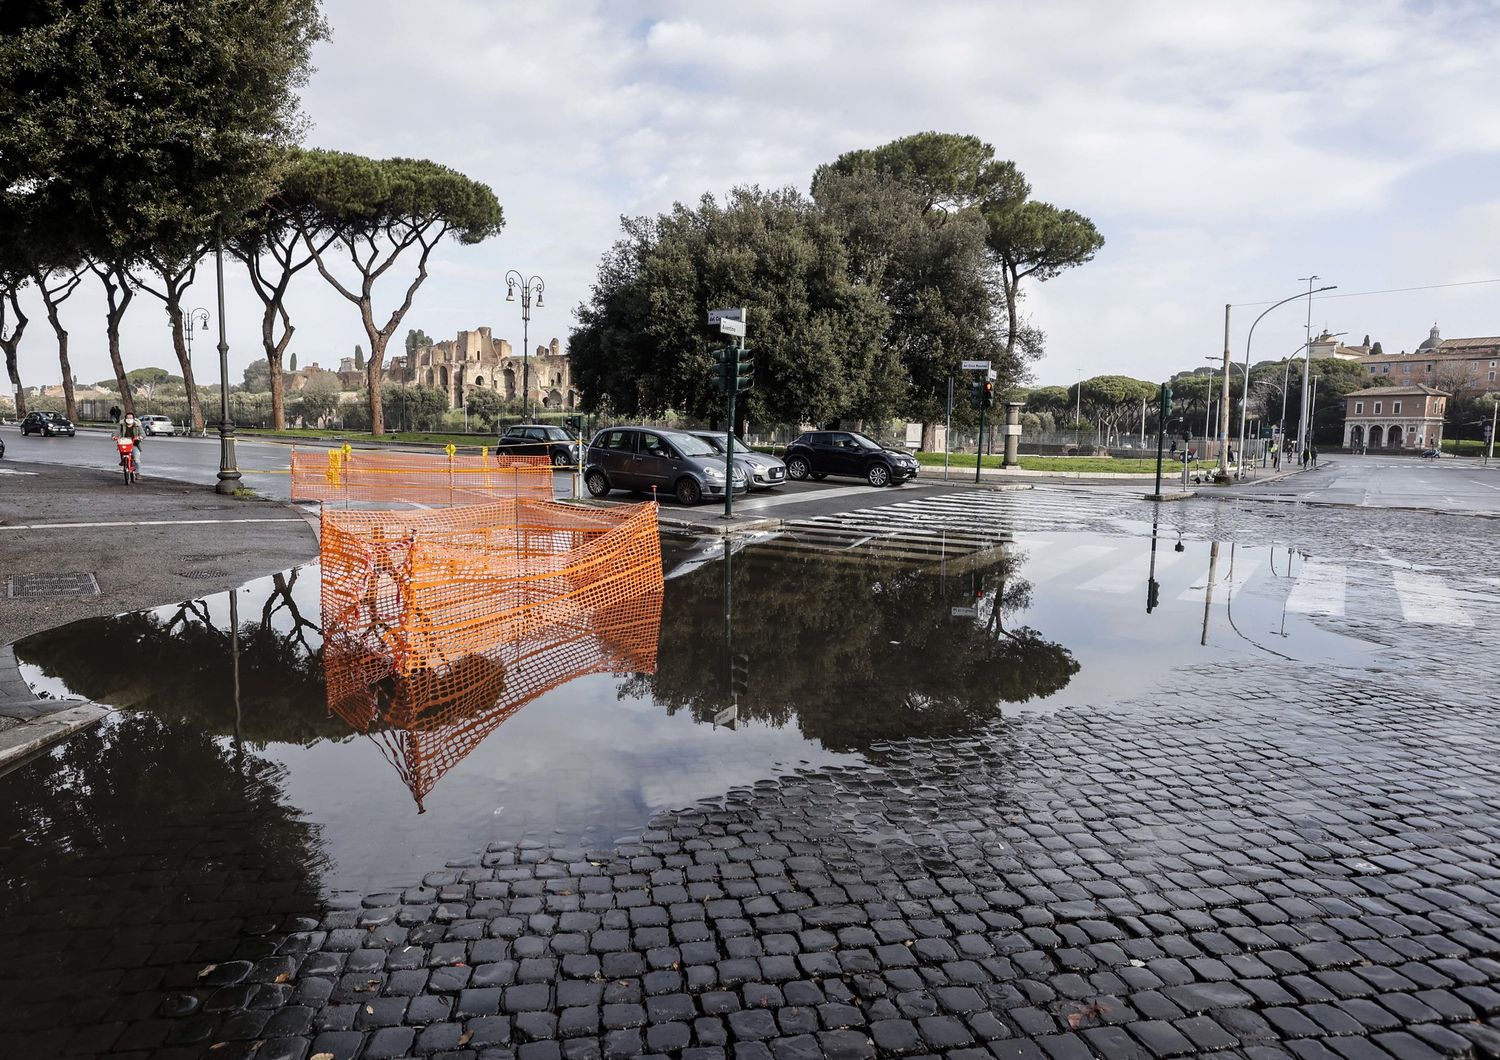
[
  {"x": 965, "y": 612},
  {"x": 730, "y": 326},
  {"x": 974, "y": 366},
  {"x": 716, "y": 315}
]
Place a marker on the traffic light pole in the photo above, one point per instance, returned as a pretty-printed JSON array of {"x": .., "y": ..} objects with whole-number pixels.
[
  {"x": 1161, "y": 427},
  {"x": 979, "y": 455},
  {"x": 729, "y": 449}
]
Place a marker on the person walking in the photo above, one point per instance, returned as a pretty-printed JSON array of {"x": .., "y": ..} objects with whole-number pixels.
[
  {"x": 114, "y": 415},
  {"x": 1312, "y": 453}
]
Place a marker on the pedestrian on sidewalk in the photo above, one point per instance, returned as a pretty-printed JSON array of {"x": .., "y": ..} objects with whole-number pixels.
[
  {"x": 114, "y": 414},
  {"x": 1312, "y": 453}
]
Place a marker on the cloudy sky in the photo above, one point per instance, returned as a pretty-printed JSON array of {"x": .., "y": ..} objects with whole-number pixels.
[{"x": 1224, "y": 150}]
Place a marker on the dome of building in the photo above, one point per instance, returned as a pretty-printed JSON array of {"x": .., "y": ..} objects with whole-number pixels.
[{"x": 1432, "y": 340}]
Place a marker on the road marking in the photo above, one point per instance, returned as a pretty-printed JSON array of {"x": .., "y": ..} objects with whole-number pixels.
[
  {"x": 1128, "y": 577},
  {"x": 13, "y": 471},
  {"x": 801, "y": 497},
  {"x": 146, "y": 522},
  {"x": 1051, "y": 566},
  {"x": 1319, "y": 590},
  {"x": 1427, "y": 600}
]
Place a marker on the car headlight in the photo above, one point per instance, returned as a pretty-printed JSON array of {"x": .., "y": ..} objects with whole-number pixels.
[{"x": 713, "y": 474}]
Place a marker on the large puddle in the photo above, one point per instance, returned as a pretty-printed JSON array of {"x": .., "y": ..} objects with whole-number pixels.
[{"x": 226, "y": 796}]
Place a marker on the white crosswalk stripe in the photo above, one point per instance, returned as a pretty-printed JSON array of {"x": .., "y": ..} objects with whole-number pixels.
[
  {"x": 1427, "y": 600},
  {"x": 1319, "y": 589},
  {"x": 1126, "y": 578}
]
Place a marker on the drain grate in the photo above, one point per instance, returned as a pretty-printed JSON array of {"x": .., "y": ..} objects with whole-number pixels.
[
  {"x": 205, "y": 573},
  {"x": 34, "y": 586}
]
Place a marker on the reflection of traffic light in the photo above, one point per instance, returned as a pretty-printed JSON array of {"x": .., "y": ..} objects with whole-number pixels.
[
  {"x": 988, "y": 395},
  {"x": 739, "y": 674},
  {"x": 1153, "y": 595}
]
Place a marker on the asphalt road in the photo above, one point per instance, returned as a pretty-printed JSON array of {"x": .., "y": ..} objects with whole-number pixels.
[
  {"x": 264, "y": 464},
  {"x": 1449, "y": 484}
]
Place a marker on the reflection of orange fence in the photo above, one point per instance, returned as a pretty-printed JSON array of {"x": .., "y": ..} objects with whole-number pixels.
[
  {"x": 362, "y": 475},
  {"x": 438, "y": 625}
]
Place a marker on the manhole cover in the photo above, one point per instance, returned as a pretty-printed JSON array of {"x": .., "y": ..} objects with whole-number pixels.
[
  {"x": 205, "y": 573},
  {"x": 33, "y": 586}
]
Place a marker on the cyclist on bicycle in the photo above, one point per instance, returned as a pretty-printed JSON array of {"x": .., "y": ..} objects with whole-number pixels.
[{"x": 130, "y": 427}]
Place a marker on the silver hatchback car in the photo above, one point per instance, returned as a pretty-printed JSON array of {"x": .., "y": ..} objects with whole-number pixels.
[{"x": 762, "y": 470}]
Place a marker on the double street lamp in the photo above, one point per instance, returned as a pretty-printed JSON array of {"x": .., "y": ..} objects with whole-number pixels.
[
  {"x": 1245, "y": 394},
  {"x": 193, "y": 320},
  {"x": 531, "y": 286}
]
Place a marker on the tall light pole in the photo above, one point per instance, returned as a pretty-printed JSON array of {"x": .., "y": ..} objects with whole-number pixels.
[
  {"x": 199, "y": 314},
  {"x": 1245, "y": 394},
  {"x": 229, "y": 472},
  {"x": 531, "y": 286},
  {"x": 1302, "y": 432}
]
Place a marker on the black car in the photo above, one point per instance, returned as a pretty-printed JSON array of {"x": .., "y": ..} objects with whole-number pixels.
[
  {"x": 817, "y": 454},
  {"x": 537, "y": 439},
  {"x": 659, "y": 462},
  {"x": 47, "y": 423}
]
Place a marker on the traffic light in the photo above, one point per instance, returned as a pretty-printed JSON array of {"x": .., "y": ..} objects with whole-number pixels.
[
  {"x": 987, "y": 395},
  {"x": 725, "y": 369},
  {"x": 739, "y": 674},
  {"x": 1153, "y": 595},
  {"x": 575, "y": 424},
  {"x": 1166, "y": 403},
  {"x": 976, "y": 395},
  {"x": 745, "y": 371}
]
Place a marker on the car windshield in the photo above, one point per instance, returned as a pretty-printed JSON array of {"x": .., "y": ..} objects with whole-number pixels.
[
  {"x": 556, "y": 434},
  {"x": 865, "y": 443},
  {"x": 690, "y": 445}
]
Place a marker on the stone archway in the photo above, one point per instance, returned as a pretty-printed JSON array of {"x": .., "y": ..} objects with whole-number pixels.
[
  {"x": 1393, "y": 437},
  {"x": 510, "y": 384},
  {"x": 479, "y": 380},
  {"x": 1356, "y": 436},
  {"x": 553, "y": 400},
  {"x": 1375, "y": 436}
]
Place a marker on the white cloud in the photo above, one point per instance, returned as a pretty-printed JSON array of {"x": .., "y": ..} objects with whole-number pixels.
[{"x": 1224, "y": 149}]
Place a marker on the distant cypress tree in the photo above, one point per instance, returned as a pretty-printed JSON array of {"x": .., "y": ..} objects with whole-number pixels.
[
  {"x": 293, "y": 362},
  {"x": 1367, "y": 342},
  {"x": 359, "y": 357},
  {"x": 1376, "y": 349}
]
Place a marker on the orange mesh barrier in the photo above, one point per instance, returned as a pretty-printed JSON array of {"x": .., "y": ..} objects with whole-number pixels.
[
  {"x": 439, "y": 625},
  {"x": 364, "y": 475}
]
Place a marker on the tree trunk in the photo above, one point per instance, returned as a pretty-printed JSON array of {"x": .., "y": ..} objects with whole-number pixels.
[
  {"x": 62, "y": 360},
  {"x": 11, "y": 344},
  {"x": 179, "y": 344},
  {"x": 15, "y": 380},
  {"x": 127, "y": 399},
  {"x": 929, "y": 437},
  {"x": 374, "y": 373}
]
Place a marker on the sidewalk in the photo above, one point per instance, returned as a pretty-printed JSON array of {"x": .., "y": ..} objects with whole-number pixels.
[{"x": 73, "y": 550}]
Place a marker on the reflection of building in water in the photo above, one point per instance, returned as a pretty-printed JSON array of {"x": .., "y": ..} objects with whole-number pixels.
[{"x": 438, "y": 625}]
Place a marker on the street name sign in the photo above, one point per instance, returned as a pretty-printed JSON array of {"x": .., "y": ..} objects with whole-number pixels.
[
  {"x": 965, "y": 612},
  {"x": 974, "y": 366},
  {"x": 716, "y": 315},
  {"x": 729, "y": 326}
]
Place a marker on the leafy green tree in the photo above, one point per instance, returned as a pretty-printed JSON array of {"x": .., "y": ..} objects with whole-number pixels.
[
  {"x": 1035, "y": 241},
  {"x": 359, "y": 357},
  {"x": 424, "y": 405},
  {"x": 12, "y": 326},
  {"x": 487, "y": 405},
  {"x": 948, "y": 172},
  {"x": 1375, "y": 350},
  {"x": 642, "y": 346},
  {"x": 173, "y": 270},
  {"x": 1111, "y": 399},
  {"x": 257, "y": 377},
  {"x": 319, "y": 396},
  {"x": 150, "y": 381},
  {"x": 152, "y": 123},
  {"x": 375, "y": 211},
  {"x": 1048, "y": 398}
]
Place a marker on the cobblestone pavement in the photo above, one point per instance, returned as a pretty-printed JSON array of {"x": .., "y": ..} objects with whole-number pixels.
[{"x": 1257, "y": 861}]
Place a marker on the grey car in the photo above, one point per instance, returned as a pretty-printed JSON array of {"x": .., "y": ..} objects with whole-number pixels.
[
  {"x": 762, "y": 470},
  {"x": 655, "y": 461}
]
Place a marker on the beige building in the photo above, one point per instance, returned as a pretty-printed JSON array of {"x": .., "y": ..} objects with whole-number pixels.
[
  {"x": 1394, "y": 417},
  {"x": 1449, "y": 364},
  {"x": 475, "y": 360}
]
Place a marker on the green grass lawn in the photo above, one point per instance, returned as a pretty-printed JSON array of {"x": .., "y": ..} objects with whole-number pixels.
[
  {"x": 1098, "y": 464},
  {"x": 1465, "y": 446}
]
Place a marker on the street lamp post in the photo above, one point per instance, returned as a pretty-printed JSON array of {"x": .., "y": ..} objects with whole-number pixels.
[
  {"x": 199, "y": 314},
  {"x": 531, "y": 286},
  {"x": 1245, "y": 394},
  {"x": 229, "y": 472}
]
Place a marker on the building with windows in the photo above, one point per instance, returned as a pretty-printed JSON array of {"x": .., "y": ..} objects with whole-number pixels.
[
  {"x": 1394, "y": 417},
  {"x": 1448, "y": 364},
  {"x": 475, "y": 360}
]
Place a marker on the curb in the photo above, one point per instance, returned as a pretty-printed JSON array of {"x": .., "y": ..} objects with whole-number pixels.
[{"x": 27, "y": 740}]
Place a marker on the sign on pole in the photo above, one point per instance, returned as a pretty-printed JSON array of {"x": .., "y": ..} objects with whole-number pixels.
[
  {"x": 973, "y": 366},
  {"x": 716, "y": 315},
  {"x": 729, "y": 326}
]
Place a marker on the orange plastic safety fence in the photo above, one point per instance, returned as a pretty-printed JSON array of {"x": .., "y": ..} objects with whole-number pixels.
[
  {"x": 362, "y": 475},
  {"x": 439, "y": 625}
]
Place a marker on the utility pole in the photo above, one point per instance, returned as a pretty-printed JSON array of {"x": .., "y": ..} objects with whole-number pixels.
[
  {"x": 1223, "y": 474},
  {"x": 1494, "y": 413},
  {"x": 1164, "y": 402},
  {"x": 1302, "y": 424}
]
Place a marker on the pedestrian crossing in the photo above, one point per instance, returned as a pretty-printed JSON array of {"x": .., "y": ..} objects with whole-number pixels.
[{"x": 1053, "y": 556}]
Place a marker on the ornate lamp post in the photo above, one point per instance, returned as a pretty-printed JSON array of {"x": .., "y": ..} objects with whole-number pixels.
[
  {"x": 197, "y": 315},
  {"x": 531, "y": 286},
  {"x": 229, "y": 471}
]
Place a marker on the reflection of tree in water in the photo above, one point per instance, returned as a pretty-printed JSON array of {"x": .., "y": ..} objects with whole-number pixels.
[
  {"x": 428, "y": 717},
  {"x": 856, "y": 648},
  {"x": 175, "y": 662},
  {"x": 145, "y": 844}
]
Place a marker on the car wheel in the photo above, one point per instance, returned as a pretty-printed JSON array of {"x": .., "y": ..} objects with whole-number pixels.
[
  {"x": 559, "y": 458},
  {"x": 878, "y": 475},
  {"x": 598, "y": 485},
  {"x": 798, "y": 468},
  {"x": 688, "y": 493}
]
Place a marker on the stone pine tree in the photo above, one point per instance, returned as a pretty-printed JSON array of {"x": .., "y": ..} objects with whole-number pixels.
[
  {"x": 166, "y": 275},
  {"x": 375, "y": 212},
  {"x": 149, "y": 124}
]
